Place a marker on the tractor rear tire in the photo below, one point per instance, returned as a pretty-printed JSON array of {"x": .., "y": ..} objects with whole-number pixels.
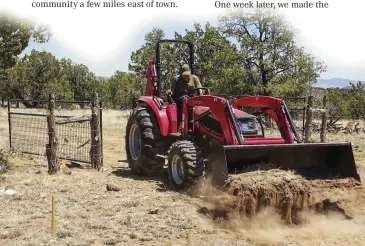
[
  {"x": 185, "y": 164},
  {"x": 142, "y": 137}
]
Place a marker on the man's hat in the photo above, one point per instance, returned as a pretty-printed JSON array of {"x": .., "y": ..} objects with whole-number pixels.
[{"x": 186, "y": 70}]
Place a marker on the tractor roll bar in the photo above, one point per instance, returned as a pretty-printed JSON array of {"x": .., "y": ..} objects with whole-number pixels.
[{"x": 158, "y": 58}]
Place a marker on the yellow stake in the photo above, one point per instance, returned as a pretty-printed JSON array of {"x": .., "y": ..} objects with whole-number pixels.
[{"x": 52, "y": 220}]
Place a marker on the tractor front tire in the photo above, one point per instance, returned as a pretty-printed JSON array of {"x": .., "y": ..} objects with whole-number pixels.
[
  {"x": 142, "y": 134},
  {"x": 185, "y": 164}
]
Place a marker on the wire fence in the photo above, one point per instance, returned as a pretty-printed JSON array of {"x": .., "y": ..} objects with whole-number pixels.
[
  {"x": 28, "y": 129},
  {"x": 297, "y": 110},
  {"x": 28, "y": 133},
  {"x": 74, "y": 140}
]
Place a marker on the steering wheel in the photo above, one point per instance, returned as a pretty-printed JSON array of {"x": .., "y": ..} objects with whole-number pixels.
[
  {"x": 206, "y": 91},
  {"x": 191, "y": 94}
]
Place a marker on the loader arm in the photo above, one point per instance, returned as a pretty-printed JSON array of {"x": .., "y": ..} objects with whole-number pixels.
[
  {"x": 222, "y": 111},
  {"x": 274, "y": 108}
]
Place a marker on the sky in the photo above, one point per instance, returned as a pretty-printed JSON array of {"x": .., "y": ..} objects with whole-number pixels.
[{"x": 104, "y": 38}]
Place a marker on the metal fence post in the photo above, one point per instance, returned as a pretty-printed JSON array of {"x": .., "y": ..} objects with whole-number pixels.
[
  {"x": 304, "y": 115},
  {"x": 9, "y": 122},
  {"x": 324, "y": 120},
  {"x": 101, "y": 132},
  {"x": 308, "y": 121}
]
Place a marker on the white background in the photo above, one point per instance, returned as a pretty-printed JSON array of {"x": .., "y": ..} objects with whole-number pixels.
[{"x": 335, "y": 35}]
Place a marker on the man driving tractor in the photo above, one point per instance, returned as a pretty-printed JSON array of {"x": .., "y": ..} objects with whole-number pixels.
[{"x": 181, "y": 86}]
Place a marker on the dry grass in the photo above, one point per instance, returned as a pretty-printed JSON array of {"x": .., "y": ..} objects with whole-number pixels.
[{"x": 143, "y": 212}]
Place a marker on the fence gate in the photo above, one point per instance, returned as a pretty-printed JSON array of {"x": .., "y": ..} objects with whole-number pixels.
[
  {"x": 297, "y": 109},
  {"x": 28, "y": 129}
]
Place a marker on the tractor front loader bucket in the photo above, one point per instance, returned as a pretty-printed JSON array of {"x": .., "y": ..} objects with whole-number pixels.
[{"x": 312, "y": 161}]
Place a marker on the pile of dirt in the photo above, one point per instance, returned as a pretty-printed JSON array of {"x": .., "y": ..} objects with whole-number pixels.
[{"x": 283, "y": 192}]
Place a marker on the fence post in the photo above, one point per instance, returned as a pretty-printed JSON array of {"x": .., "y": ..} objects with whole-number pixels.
[
  {"x": 101, "y": 132},
  {"x": 95, "y": 134},
  {"x": 324, "y": 120},
  {"x": 308, "y": 120},
  {"x": 9, "y": 121},
  {"x": 303, "y": 109},
  {"x": 51, "y": 147}
]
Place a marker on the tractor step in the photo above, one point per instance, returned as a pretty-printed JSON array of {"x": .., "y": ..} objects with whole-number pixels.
[
  {"x": 151, "y": 152},
  {"x": 161, "y": 156}
]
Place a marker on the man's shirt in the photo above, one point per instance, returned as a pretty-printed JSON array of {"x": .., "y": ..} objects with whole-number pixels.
[{"x": 180, "y": 87}]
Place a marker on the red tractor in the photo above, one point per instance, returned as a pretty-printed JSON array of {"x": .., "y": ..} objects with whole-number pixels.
[{"x": 216, "y": 137}]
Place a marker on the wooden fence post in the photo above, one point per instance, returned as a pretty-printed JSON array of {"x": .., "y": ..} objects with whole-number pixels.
[
  {"x": 308, "y": 120},
  {"x": 95, "y": 151},
  {"x": 324, "y": 120},
  {"x": 51, "y": 147}
]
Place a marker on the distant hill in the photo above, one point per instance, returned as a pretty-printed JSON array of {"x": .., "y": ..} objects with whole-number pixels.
[{"x": 334, "y": 82}]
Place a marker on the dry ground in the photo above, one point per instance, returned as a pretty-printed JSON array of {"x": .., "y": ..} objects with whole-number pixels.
[{"x": 144, "y": 212}]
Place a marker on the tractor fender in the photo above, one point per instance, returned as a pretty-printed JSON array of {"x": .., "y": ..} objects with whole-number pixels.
[{"x": 160, "y": 113}]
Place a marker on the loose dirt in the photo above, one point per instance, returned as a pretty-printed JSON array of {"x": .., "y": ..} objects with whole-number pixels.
[
  {"x": 277, "y": 207},
  {"x": 283, "y": 192}
]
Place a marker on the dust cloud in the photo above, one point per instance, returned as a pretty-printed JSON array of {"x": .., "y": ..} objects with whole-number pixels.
[{"x": 270, "y": 206}]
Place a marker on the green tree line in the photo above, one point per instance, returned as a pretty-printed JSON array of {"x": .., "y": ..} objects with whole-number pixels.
[{"x": 253, "y": 54}]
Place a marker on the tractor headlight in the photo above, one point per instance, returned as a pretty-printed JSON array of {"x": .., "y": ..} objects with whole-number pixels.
[
  {"x": 251, "y": 125},
  {"x": 247, "y": 126}
]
